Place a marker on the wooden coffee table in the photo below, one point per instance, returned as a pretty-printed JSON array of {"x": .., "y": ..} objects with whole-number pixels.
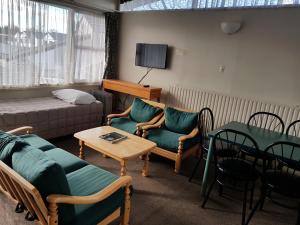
[{"x": 130, "y": 148}]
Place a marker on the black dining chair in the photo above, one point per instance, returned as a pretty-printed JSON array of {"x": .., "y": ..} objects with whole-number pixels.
[
  {"x": 282, "y": 176},
  {"x": 294, "y": 128},
  {"x": 267, "y": 120},
  {"x": 234, "y": 170},
  {"x": 205, "y": 125}
]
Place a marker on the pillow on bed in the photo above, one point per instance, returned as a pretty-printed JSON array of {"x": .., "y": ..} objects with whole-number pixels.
[{"x": 74, "y": 96}]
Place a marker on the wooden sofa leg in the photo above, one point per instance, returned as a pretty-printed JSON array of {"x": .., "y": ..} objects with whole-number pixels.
[
  {"x": 53, "y": 217},
  {"x": 178, "y": 158},
  {"x": 126, "y": 213}
]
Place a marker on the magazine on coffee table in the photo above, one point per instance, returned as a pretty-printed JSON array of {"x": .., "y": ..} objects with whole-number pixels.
[{"x": 113, "y": 137}]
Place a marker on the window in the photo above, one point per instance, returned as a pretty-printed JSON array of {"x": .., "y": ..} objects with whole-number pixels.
[
  {"x": 45, "y": 44},
  {"x": 146, "y": 5}
]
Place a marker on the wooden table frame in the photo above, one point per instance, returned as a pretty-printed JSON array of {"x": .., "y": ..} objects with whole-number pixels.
[
  {"x": 143, "y": 153},
  {"x": 263, "y": 138}
]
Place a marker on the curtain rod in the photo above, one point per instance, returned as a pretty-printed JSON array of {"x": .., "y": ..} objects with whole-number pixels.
[{"x": 75, "y": 5}]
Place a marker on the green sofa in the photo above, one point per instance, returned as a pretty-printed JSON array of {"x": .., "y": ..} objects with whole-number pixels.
[{"x": 68, "y": 190}]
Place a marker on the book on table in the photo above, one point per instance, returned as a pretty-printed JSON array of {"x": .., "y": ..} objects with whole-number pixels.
[{"x": 113, "y": 137}]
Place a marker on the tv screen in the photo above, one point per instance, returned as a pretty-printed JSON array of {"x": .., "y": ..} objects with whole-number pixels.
[{"x": 151, "y": 55}]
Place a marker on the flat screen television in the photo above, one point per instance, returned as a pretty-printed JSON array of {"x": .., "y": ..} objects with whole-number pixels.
[{"x": 151, "y": 55}]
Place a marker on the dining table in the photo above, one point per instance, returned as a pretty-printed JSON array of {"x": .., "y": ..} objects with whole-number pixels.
[{"x": 263, "y": 138}]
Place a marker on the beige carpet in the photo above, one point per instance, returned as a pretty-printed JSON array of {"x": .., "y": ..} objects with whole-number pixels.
[{"x": 165, "y": 198}]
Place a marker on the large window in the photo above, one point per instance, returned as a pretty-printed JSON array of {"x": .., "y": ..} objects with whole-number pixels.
[
  {"x": 150, "y": 5},
  {"x": 45, "y": 44}
]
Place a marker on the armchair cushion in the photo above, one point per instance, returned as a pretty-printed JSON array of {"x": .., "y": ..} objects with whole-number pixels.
[
  {"x": 124, "y": 123},
  {"x": 66, "y": 160},
  {"x": 169, "y": 140},
  {"x": 179, "y": 121},
  {"x": 8, "y": 145},
  {"x": 90, "y": 180},
  {"x": 45, "y": 174},
  {"x": 142, "y": 111},
  {"x": 37, "y": 142}
]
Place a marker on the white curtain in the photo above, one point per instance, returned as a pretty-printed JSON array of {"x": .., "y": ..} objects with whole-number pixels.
[
  {"x": 145, "y": 5},
  {"x": 45, "y": 44}
]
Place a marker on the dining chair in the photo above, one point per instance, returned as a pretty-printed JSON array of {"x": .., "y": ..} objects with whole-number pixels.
[
  {"x": 205, "y": 125},
  {"x": 294, "y": 128},
  {"x": 267, "y": 120},
  {"x": 282, "y": 176},
  {"x": 233, "y": 170}
]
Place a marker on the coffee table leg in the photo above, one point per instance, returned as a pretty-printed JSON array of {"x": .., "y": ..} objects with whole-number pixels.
[
  {"x": 123, "y": 168},
  {"x": 145, "y": 171},
  {"x": 81, "y": 150}
]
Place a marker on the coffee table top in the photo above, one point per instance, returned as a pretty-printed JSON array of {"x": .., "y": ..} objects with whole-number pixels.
[{"x": 131, "y": 147}]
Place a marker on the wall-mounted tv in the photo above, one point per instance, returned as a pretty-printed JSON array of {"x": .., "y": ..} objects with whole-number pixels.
[{"x": 151, "y": 55}]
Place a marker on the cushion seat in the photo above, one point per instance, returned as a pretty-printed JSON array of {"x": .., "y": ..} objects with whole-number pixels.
[
  {"x": 169, "y": 140},
  {"x": 37, "y": 142},
  {"x": 66, "y": 160},
  {"x": 124, "y": 123},
  {"x": 87, "y": 181}
]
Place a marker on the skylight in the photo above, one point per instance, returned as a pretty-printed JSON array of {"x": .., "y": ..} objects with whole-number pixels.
[{"x": 153, "y": 5}]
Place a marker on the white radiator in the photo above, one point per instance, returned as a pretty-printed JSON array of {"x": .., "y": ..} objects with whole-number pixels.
[{"x": 227, "y": 108}]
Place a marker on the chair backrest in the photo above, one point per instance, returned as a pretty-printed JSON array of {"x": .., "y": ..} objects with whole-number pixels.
[
  {"x": 232, "y": 144},
  {"x": 285, "y": 157},
  {"x": 23, "y": 192},
  {"x": 267, "y": 120},
  {"x": 205, "y": 122},
  {"x": 155, "y": 104},
  {"x": 294, "y": 128}
]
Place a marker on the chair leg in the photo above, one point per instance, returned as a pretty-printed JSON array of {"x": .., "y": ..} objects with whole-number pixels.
[
  {"x": 251, "y": 196},
  {"x": 253, "y": 210},
  {"x": 244, "y": 204},
  {"x": 196, "y": 166},
  {"x": 208, "y": 193},
  {"x": 178, "y": 158},
  {"x": 263, "y": 196}
]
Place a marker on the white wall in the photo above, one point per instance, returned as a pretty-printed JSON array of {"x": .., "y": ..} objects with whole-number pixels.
[{"x": 262, "y": 61}]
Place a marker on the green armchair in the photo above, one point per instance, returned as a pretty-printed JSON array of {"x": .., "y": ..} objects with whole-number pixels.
[
  {"x": 142, "y": 112},
  {"x": 176, "y": 135}
]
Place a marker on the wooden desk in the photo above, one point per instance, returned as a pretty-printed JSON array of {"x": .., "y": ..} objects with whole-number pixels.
[{"x": 150, "y": 93}]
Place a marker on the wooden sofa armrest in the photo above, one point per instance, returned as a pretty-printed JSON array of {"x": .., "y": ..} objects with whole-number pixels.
[
  {"x": 153, "y": 126},
  {"x": 193, "y": 134},
  {"x": 123, "y": 114},
  {"x": 155, "y": 119},
  {"x": 91, "y": 199},
  {"x": 21, "y": 130}
]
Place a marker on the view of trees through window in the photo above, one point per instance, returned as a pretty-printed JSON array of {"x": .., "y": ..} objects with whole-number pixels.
[{"x": 45, "y": 44}]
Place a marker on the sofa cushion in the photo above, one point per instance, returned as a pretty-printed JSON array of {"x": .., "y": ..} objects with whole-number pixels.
[
  {"x": 124, "y": 123},
  {"x": 66, "y": 160},
  {"x": 179, "y": 121},
  {"x": 87, "y": 181},
  {"x": 45, "y": 174},
  {"x": 37, "y": 142},
  {"x": 142, "y": 111},
  {"x": 169, "y": 140}
]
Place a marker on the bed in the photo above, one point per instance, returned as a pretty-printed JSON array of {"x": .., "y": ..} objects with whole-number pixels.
[{"x": 49, "y": 116}]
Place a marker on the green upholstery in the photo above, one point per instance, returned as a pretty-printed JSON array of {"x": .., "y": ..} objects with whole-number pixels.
[
  {"x": 142, "y": 111},
  {"x": 89, "y": 180},
  {"x": 45, "y": 174},
  {"x": 8, "y": 145},
  {"x": 37, "y": 142},
  {"x": 66, "y": 160},
  {"x": 124, "y": 123},
  {"x": 169, "y": 140},
  {"x": 179, "y": 121}
]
